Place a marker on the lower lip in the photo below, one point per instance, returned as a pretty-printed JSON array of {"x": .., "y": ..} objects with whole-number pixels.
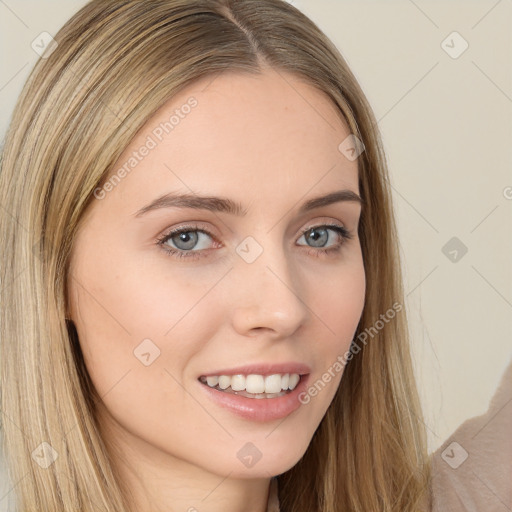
[{"x": 259, "y": 409}]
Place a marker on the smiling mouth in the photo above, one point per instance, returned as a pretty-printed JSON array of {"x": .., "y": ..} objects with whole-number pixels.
[{"x": 254, "y": 386}]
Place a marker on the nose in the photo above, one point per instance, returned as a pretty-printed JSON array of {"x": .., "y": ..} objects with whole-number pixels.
[{"x": 267, "y": 296}]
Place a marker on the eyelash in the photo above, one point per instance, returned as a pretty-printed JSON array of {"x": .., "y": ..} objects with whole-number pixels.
[{"x": 344, "y": 233}]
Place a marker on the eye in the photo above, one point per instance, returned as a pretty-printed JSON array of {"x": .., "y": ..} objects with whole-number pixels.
[
  {"x": 321, "y": 235},
  {"x": 185, "y": 240}
]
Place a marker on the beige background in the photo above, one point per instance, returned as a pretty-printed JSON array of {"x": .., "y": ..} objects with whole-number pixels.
[{"x": 447, "y": 128}]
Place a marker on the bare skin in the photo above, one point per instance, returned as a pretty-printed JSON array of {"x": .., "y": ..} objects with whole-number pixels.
[{"x": 258, "y": 141}]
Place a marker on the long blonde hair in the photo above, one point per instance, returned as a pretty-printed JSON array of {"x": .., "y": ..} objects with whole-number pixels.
[{"x": 116, "y": 63}]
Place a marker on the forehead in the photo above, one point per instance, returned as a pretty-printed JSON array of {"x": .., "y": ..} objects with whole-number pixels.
[{"x": 241, "y": 133}]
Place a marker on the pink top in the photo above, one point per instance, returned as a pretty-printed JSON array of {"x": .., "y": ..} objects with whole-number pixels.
[{"x": 472, "y": 470}]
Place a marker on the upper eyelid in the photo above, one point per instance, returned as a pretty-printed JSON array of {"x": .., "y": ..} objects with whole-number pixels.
[{"x": 199, "y": 226}]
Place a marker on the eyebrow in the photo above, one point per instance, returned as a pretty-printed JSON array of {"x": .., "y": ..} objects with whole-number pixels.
[{"x": 224, "y": 205}]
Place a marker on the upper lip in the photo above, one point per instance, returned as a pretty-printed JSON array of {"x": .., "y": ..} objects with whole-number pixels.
[{"x": 263, "y": 369}]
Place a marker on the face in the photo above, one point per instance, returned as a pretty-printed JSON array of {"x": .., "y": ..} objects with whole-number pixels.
[{"x": 264, "y": 283}]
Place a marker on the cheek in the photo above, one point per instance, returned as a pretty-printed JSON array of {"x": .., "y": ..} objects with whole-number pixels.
[
  {"x": 339, "y": 302},
  {"x": 132, "y": 299},
  {"x": 138, "y": 332},
  {"x": 129, "y": 312}
]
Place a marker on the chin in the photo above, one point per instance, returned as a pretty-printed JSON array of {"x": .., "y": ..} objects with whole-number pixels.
[{"x": 268, "y": 456}]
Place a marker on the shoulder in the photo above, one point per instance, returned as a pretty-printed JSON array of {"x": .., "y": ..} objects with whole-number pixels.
[{"x": 472, "y": 470}]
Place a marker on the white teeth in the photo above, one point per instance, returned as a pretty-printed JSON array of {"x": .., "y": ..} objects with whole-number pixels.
[
  {"x": 212, "y": 381},
  {"x": 224, "y": 381},
  {"x": 254, "y": 384},
  {"x": 273, "y": 383},
  {"x": 294, "y": 380},
  {"x": 238, "y": 382}
]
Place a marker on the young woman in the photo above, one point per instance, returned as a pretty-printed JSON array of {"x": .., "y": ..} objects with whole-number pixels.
[{"x": 202, "y": 305}]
